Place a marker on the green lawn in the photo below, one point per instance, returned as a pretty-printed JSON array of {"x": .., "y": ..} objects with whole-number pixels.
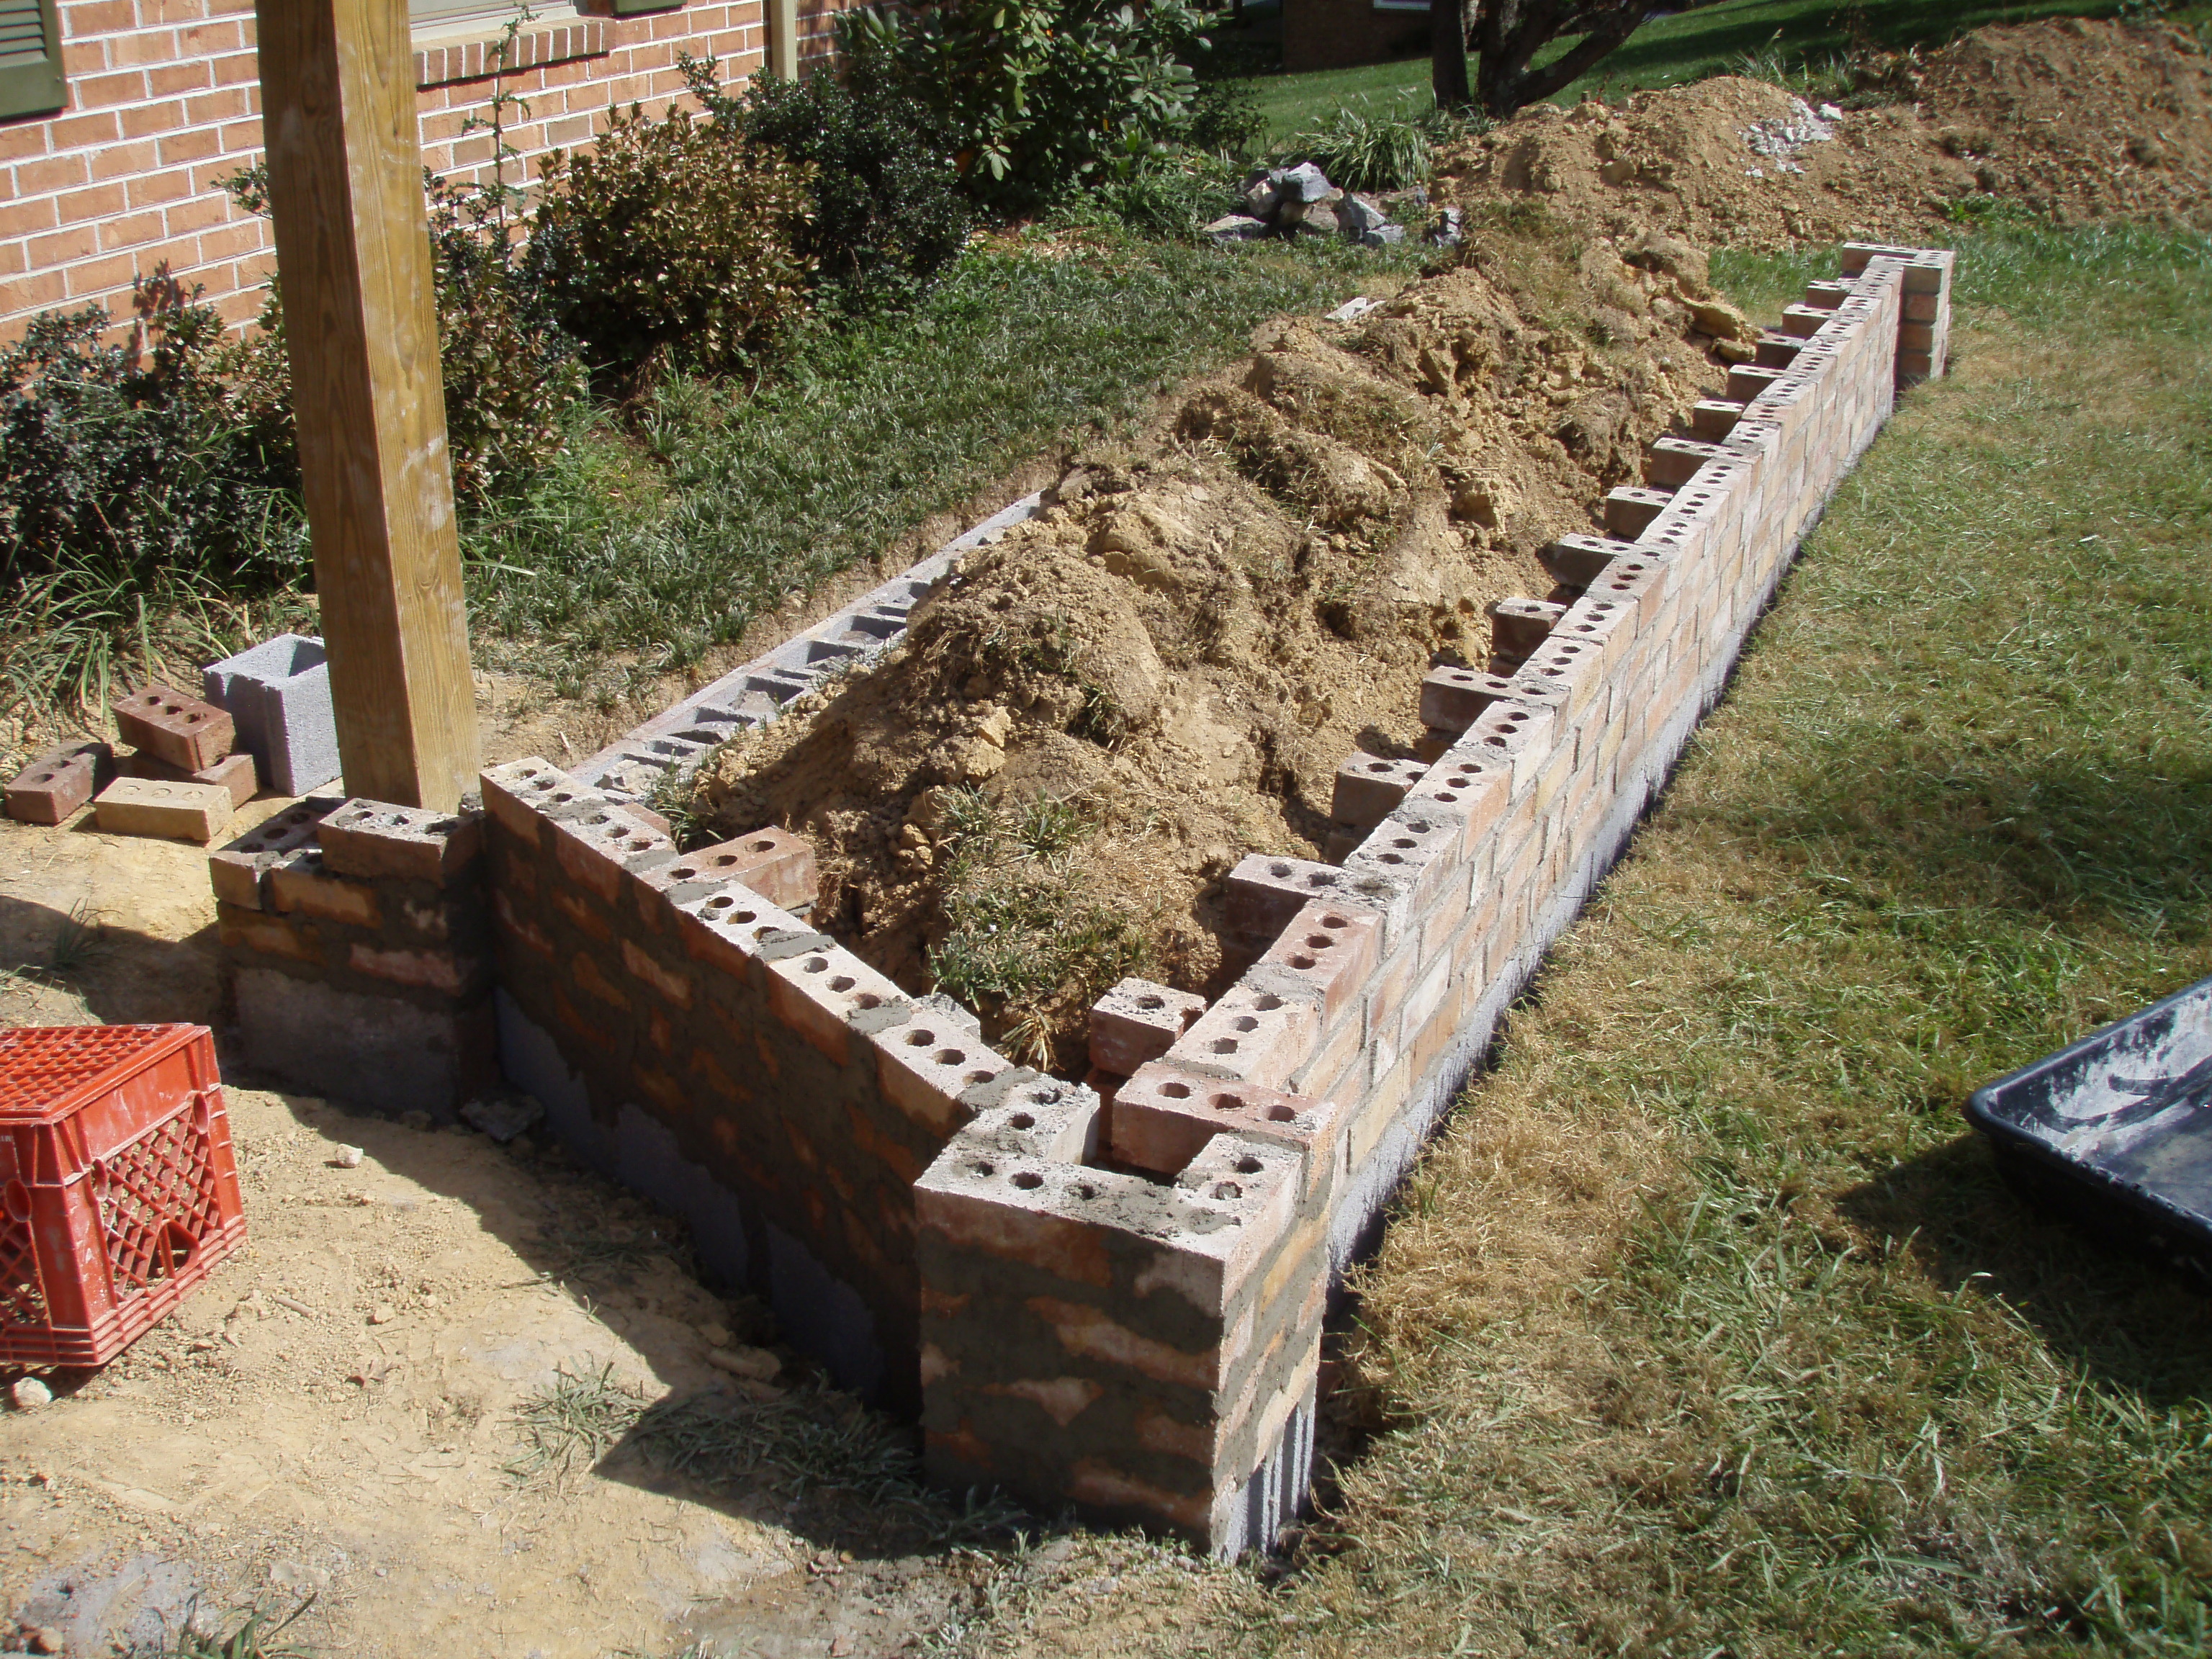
[
  {"x": 1706, "y": 1326},
  {"x": 1692, "y": 45},
  {"x": 668, "y": 533}
]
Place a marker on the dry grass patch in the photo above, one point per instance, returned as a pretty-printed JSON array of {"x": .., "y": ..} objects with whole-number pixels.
[{"x": 1705, "y": 1328}]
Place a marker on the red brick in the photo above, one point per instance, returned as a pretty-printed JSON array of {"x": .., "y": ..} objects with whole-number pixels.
[
  {"x": 38, "y": 291},
  {"x": 1138, "y": 1021},
  {"x": 430, "y": 971},
  {"x": 27, "y": 218},
  {"x": 131, "y": 232},
  {"x": 97, "y": 17},
  {"x": 167, "y": 80},
  {"x": 124, "y": 160},
  {"x": 100, "y": 91},
  {"x": 180, "y": 729},
  {"x": 300, "y": 883},
  {"x": 57, "y": 782},
  {"x": 1163, "y": 1116},
  {"x": 1330, "y": 947},
  {"x": 1254, "y": 1035}
]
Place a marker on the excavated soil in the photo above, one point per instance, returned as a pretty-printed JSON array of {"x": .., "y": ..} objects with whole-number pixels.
[
  {"x": 1204, "y": 623},
  {"x": 2067, "y": 120}
]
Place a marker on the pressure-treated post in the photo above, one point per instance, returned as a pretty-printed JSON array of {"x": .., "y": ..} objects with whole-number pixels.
[
  {"x": 345, "y": 189},
  {"x": 781, "y": 17}
]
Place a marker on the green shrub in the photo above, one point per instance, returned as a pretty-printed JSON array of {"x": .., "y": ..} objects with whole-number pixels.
[
  {"x": 1040, "y": 96},
  {"x": 511, "y": 374},
  {"x": 674, "y": 242},
  {"x": 889, "y": 212},
  {"x": 1226, "y": 121},
  {"x": 137, "y": 498},
  {"x": 1363, "y": 146},
  {"x": 136, "y": 455}
]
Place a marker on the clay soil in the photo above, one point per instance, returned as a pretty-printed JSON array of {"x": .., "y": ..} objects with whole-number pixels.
[
  {"x": 2068, "y": 121},
  {"x": 332, "y": 1414},
  {"x": 1205, "y": 622}
]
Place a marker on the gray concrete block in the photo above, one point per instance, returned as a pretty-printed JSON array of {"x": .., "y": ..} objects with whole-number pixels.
[
  {"x": 278, "y": 695},
  {"x": 374, "y": 1052}
]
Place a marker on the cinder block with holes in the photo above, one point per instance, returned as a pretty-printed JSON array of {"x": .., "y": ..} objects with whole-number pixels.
[
  {"x": 371, "y": 839},
  {"x": 1670, "y": 462},
  {"x": 1418, "y": 845},
  {"x": 1514, "y": 736},
  {"x": 1264, "y": 891},
  {"x": 1451, "y": 697},
  {"x": 1476, "y": 784},
  {"x": 1138, "y": 1021},
  {"x": 774, "y": 862},
  {"x": 238, "y": 871},
  {"x": 1803, "y": 321},
  {"x": 1629, "y": 509},
  {"x": 817, "y": 992},
  {"x": 1252, "y": 1035},
  {"x": 925, "y": 1063},
  {"x": 1368, "y": 786},
  {"x": 1163, "y": 1116},
  {"x": 59, "y": 781},
  {"x": 1746, "y": 381},
  {"x": 1714, "y": 418},
  {"x": 1518, "y": 626},
  {"x": 727, "y": 929},
  {"x": 1777, "y": 351},
  {"x": 1330, "y": 948},
  {"x": 181, "y": 730}
]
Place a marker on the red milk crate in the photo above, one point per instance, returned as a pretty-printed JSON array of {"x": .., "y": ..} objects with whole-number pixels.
[{"x": 119, "y": 1192}]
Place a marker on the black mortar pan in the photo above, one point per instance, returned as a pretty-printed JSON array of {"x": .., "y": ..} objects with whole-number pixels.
[{"x": 2115, "y": 1131}]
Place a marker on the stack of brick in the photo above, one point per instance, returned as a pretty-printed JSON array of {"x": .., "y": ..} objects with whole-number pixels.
[
  {"x": 357, "y": 953},
  {"x": 1924, "y": 326},
  {"x": 181, "y": 779},
  {"x": 1138, "y": 1333},
  {"x": 1054, "y": 1364},
  {"x": 687, "y": 1032}
]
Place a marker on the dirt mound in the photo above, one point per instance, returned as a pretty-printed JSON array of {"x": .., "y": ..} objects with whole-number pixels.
[
  {"x": 1040, "y": 791},
  {"x": 2080, "y": 120},
  {"x": 2066, "y": 119}
]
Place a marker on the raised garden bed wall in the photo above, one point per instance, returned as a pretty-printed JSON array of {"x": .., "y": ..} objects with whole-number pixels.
[
  {"x": 1155, "y": 1372},
  {"x": 1106, "y": 1294}
]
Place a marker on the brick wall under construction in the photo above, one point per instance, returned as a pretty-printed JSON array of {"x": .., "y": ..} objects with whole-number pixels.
[{"x": 1110, "y": 1293}]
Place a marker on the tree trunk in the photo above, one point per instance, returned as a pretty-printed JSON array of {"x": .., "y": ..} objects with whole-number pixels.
[
  {"x": 1447, "y": 55},
  {"x": 1508, "y": 33}
]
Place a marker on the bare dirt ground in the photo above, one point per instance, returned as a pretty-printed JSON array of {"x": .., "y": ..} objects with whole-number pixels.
[
  {"x": 1206, "y": 620},
  {"x": 2066, "y": 120},
  {"x": 332, "y": 1413}
]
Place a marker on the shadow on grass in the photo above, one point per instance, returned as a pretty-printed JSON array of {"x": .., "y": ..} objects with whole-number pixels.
[{"x": 2118, "y": 1317}]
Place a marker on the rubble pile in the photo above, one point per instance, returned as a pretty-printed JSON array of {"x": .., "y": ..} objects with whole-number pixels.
[{"x": 1300, "y": 201}]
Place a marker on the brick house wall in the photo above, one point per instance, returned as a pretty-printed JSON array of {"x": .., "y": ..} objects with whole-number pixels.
[{"x": 165, "y": 100}]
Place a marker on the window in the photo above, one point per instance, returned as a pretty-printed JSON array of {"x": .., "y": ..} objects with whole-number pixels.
[
  {"x": 492, "y": 15},
  {"x": 31, "y": 82}
]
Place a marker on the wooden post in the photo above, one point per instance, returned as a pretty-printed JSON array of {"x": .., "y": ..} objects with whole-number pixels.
[
  {"x": 782, "y": 18},
  {"x": 353, "y": 250}
]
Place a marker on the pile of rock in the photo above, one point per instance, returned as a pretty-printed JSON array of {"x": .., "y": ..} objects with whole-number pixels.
[{"x": 1300, "y": 201}]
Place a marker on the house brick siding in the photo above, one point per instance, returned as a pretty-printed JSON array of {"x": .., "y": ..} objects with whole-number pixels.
[{"x": 165, "y": 101}]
